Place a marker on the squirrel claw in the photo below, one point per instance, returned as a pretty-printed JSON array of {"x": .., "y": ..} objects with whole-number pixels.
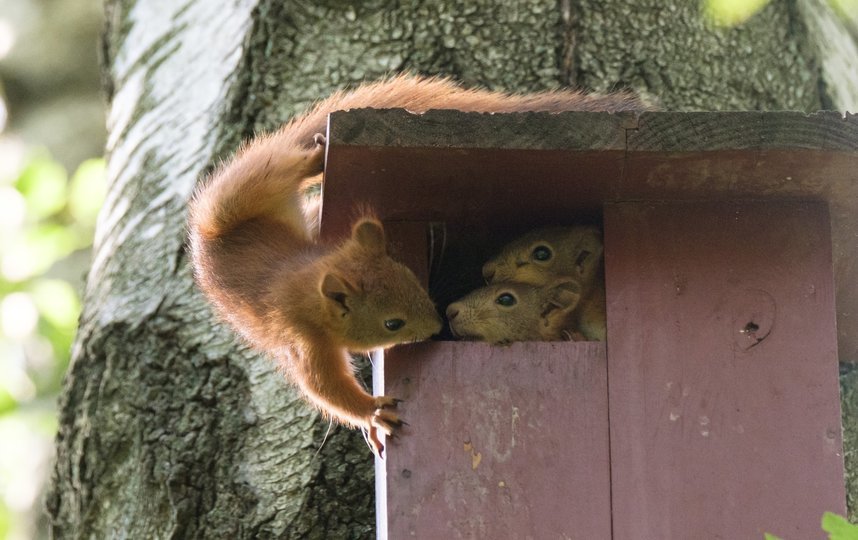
[
  {"x": 386, "y": 402},
  {"x": 386, "y": 421},
  {"x": 375, "y": 443},
  {"x": 319, "y": 139},
  {"x": 383, "y": 420}
]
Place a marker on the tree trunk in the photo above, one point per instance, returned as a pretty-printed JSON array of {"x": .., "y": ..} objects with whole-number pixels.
[{"x": 168, "y": 426}]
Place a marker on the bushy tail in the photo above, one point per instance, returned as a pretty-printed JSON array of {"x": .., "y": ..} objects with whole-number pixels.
[
  {"x": 263, "y": 180},
  {"x": 265, "y": 176},
  {"x": 419, "y": 94}
]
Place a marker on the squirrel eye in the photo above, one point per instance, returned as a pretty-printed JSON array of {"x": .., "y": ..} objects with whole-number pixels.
[
  {"x": 541, "y": 253},
  {"x": 506, "y": 299},
  {"x": 394, "y": 324}
]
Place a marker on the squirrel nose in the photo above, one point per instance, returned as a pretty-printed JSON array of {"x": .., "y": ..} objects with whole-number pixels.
[{"x": 452, "y": 312}]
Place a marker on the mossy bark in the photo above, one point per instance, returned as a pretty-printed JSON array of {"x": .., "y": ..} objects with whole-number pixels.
[{"x": 169, "y": 427}]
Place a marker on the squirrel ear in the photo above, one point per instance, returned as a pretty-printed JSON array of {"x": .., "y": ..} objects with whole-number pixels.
[
  {"x": 369, "y": 234},
  {"x": 489, "y": 270},
  {"x": 337, "y": 290},
  {"x": 563, "y": 297}
]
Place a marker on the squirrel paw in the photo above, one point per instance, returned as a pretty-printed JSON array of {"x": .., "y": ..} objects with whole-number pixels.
[
  {"x": 387, "y": 421},
  {"x": 383, "y": 420},
  {"x": 374, "y": 442},
  {"x": 572, "y": 335},
  {"x": 386, "y": 402},
  {"x": 315, "y": 163}
]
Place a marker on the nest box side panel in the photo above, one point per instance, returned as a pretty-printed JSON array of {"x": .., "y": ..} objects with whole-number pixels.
[
  {"x": 723, "y": 387},
  {"x": 502, "y": 442}
]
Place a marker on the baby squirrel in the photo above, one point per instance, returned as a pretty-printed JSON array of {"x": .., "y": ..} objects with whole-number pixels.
[
  {"x": 541, "y": 257},
  {"x": 256, "y": 256},
  {"x": 506, "y": 312}
]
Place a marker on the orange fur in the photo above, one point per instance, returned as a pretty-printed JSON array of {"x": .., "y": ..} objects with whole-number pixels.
[
  {"x": 304, "y": 303},
  {"x": 420, "y": 94},
  {"x": 256, "y": 256}
]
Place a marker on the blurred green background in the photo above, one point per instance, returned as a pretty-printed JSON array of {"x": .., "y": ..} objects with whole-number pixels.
[
  {"x": 733, "y": 12},
  {"x": 52, "y": 182}
]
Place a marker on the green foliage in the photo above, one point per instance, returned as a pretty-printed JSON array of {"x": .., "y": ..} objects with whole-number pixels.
[
  {"x": 45, "y": 217},
  {"x": 43, "y": 183},
  {"x": 845, "y": 7},
  {"x": 732, "y": 12},
  {"x": 838, "y": 528},
  {"x": 7, "y": 402},
  {"x": 39, "y": 310},
  {"x": 5, "y": 521},
  {"x": 58, "y": 303},
  {"x": 86, "y": 193},
  {"x": 736, "y": 12}
]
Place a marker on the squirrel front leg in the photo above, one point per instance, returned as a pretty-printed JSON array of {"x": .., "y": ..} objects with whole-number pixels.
[{"x": 326, "y": 377}]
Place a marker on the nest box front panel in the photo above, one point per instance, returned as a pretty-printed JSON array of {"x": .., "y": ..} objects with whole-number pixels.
[
  {"x": 722, "y": 360},
  {"x": 502, "y": 442}
]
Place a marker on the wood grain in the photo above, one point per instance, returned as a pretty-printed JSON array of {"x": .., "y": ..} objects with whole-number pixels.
[
  {"x": 489, "y": 176},
  {"x": 725, "y": 410},
  {"x": 446, "y": 129},
  {"x": 502, "y": 442}
]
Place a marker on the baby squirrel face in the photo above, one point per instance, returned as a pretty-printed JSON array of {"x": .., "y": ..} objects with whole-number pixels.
[
  {"x": 545, "y": 254},
  {"x": 371, "y": 300},
  {"x": 507, "y": 312}
]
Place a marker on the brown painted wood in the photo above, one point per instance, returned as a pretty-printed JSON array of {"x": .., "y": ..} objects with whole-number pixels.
[
  {"x": 724, "y": 400},
  {"x": 469, "y": 189},
  {"x": 408, "y": 243},
  {"x": 723, "y": 354},
  {"x": 502, "y": 442},
  {"x": 489, "y": 176}
]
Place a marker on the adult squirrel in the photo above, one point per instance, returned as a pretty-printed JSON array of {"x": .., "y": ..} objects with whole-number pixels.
[
  {"x": 304, "y": 303},
  {"x": 542, "y": 256},
  {"x": 507, "y": 312},
  {"x": 256, "y": 256}
]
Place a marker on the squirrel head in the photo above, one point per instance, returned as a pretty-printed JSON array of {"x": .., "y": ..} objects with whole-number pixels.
[
  {"x": 506, "y": 312},
  {"x": 371, "y": 300},
  {"x": 543, "y": 255}
]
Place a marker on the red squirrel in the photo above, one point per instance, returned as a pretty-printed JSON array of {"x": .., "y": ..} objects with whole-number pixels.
[
  {"x": 304, "y": 303},
  {"x": 256, "y": 255},
  {"x": 505, "y": 312}
]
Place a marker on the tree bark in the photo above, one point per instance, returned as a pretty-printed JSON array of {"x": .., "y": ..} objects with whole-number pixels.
[{"x": 168, "y": 426}]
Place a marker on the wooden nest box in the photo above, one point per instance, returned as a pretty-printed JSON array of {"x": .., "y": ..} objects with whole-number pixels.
[{"x": 711, "y": 411}]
